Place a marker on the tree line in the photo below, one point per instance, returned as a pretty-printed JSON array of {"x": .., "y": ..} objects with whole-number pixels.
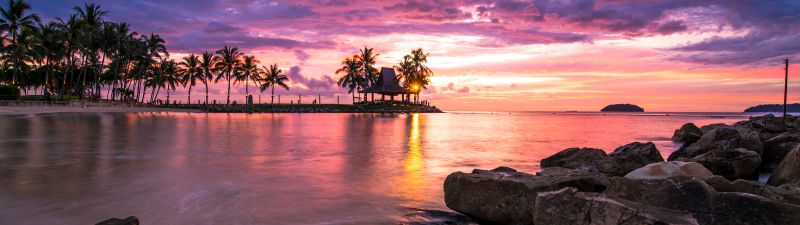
[
  {"x": 84, "y": 55},
  {"x": 80, "y": 55}
]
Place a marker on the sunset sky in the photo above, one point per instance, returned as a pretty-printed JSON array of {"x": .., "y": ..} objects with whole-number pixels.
[{"x": 682, "y": 55}]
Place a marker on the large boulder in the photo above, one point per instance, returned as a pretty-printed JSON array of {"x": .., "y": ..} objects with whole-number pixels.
[
  {"x": 663, "y": 170},
  {"x": 706, "y": 204},
  {"x": 506, "y": 197},
  {"x": 732, "y": 164},
  {"x": 131, "y": 220},
  {"x": 713, "y": 126},
  {"x": 786, "y": 193},
  {"x": 568, "y": 206},
  {"x": 767, "y": 123},
  {"x": 788, "y": 171},
  {"x": 633, "y": 156},
  {"x": 776, "y": 148},
  {"x": 722, "y": 138},
  {"x": 688, "y": 133},
  {"x": 587, "y": 159},
  {"x": 620, "y": 162}
]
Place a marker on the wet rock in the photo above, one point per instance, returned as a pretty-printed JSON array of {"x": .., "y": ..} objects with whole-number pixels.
[
  {"x": 416, "y": 216},
  {"x": 568, "y": 206},
  {"x": 767, "y": 123},
  {"x": 706, "y": 204},
  {"x": 713, "y": 126},
  {"x": 506, "y": 197},
  {"x": 788, "y": 171},
  {"x": 724, "y": 139},
  {"x": 663, "y": 170},
  {"x": 786, "y": 194},
  {"x": 633, "y": 156},
  {"x": 587, "y": 159},
  {"x": 776, "y": 148},
  {"x": 620, "y": 162},
  {"x": 688, "y": 133},
  {"x": 732, "y": 164},
  {"x": 131, "y": 220}
]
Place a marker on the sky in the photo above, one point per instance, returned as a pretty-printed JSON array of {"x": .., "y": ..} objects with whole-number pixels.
[{"x": 486, "y": 55}]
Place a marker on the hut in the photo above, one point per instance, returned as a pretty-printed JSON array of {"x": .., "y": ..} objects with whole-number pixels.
[{"x": 388, "y": 85}]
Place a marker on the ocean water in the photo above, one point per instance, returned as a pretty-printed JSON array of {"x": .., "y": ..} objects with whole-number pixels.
[{"x": 197, "y": 168}]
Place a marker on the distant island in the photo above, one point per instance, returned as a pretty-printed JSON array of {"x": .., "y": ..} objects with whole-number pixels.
[
  {"x": 774, "y": 108},
  {"x": 622, "y": 108}
]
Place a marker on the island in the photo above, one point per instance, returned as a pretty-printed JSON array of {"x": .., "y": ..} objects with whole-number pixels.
[
  {"x": 622, "y": 108},
  {"x": 774, "y": 108}
]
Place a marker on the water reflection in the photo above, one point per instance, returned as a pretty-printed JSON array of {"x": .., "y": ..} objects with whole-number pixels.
[{"x": 186, "y": 168}]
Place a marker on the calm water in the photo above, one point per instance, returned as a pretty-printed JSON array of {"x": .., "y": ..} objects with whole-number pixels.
[{"x": 194, "y": 168}]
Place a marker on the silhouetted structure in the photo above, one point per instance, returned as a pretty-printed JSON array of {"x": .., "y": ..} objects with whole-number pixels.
[
  {"x": 785, "y": 86},
  {"x": 388, "y": 85}
]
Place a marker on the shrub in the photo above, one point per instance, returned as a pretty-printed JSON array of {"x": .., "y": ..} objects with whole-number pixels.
[{"x": 8, "y": 92}]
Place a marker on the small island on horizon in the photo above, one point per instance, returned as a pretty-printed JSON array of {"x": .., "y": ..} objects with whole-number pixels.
[
  {"x": 795, "y": 107},
  {"x": 622, "y": 108}
]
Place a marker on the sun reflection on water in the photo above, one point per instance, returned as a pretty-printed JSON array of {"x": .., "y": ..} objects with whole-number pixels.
[{"x": 412, "y": 181}]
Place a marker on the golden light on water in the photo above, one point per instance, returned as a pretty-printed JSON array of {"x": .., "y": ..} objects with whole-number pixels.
[{"x": 412, "y": 181}]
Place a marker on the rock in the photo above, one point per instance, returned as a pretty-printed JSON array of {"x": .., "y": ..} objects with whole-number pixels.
[
  {"x": 416, "y": 216},
  {"x": 131, "y": 220},
  {"x": 767, "y": 123},
  {"x": 788, "y": 171},
  {"x": 706, "y": 204},
  {"x": 723, "y": 138},
  {"x": 561, "y": 171},
  {"x": 688, "y": 133},
  {"x": 633, "y": 156},
  {"x": 732, "y": 164},
  {"x": 568, "y": 206},
  {"x": 786, "y": 194},
  {"x": 620, "y": 162},
  {"x": 663, "y": 170},
  {"x": 587, "y": 159},
  {"x": 506, "y": 197},
  {"x": 743, "y": 208},
  {"x": 776, "y": 148},
  {"x": 713, "y": 126}
]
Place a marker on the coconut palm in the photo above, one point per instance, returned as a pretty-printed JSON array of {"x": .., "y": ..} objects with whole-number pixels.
[
  {"x": 208, "y": 65},
  {"x": 352, "y": 77},
  {"x": 273, "y": 76},
  {"x": 249, "y": 71},
  {"x": 191, "y": 72},
  {"x": 229, "y": 63},
  {"x": 91, "y": 21},
  {"x": 367, "y": 58},
  {"x": 13, "y": 19}
]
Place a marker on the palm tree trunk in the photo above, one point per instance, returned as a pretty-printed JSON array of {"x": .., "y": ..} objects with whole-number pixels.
[
  {"x": 229, "y": 89},
  {"x": 189, "y": 98},
  {"x": 206, "y": 83},
  {"x": 272, "y": 102}
]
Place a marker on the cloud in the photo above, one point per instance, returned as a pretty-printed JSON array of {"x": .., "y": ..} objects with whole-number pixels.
[
  {"x": 221, "y": 27},
  {"x": 325, "y": 85}
]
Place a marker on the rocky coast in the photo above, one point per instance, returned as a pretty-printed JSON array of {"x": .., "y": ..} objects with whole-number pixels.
[{"x": 713, "y": 178}]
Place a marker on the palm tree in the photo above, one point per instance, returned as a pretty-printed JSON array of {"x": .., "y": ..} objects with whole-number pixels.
[
  {"x": 249, "y": 71},
  {"x": 367, "y": 59},
  {"x": 191, "y": 72},
  {"x": 273, "y": 76},
  {"x": 91, "y": 21},
  {"x": 230, "y": 62},
  {"x": 13, "y": 19},
  {"x": 208, "y": 65},
  {"x": 352, "y": 78},
  {"x": 413, "y": 70}
]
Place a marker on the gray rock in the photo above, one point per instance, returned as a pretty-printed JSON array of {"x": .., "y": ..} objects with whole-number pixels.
[
  {"x": 767, "y": 123},
  {"x": 496, "y": 197},
  {"x": 663, "y": 170},
  {"x": 786, "y": 194},
  {"x": 706, "y": 204},
  {"x": 732, "y": 164},
  {"x": 633, "y": 156},
  {"x": 788, "y": 171},
  {"x": 620, "y": 162},
  {"x": 568, "y": 206},
  {"x": 131, "y": 220},
  {"x": 776, "y": 148},
  {"x": 713, "y": 126},
  {"x": 723, "y": 138},
  {"x": 688, "y": 133}
]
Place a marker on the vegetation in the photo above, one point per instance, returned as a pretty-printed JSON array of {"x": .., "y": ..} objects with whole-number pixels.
[
  {"x": 774, "y": 108},
  {"x": 622, "y": 108},
  {"x": 358, "y": 71},
  {"x": 84, "y": 54},
  {"x": 9, "y": 92}
]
